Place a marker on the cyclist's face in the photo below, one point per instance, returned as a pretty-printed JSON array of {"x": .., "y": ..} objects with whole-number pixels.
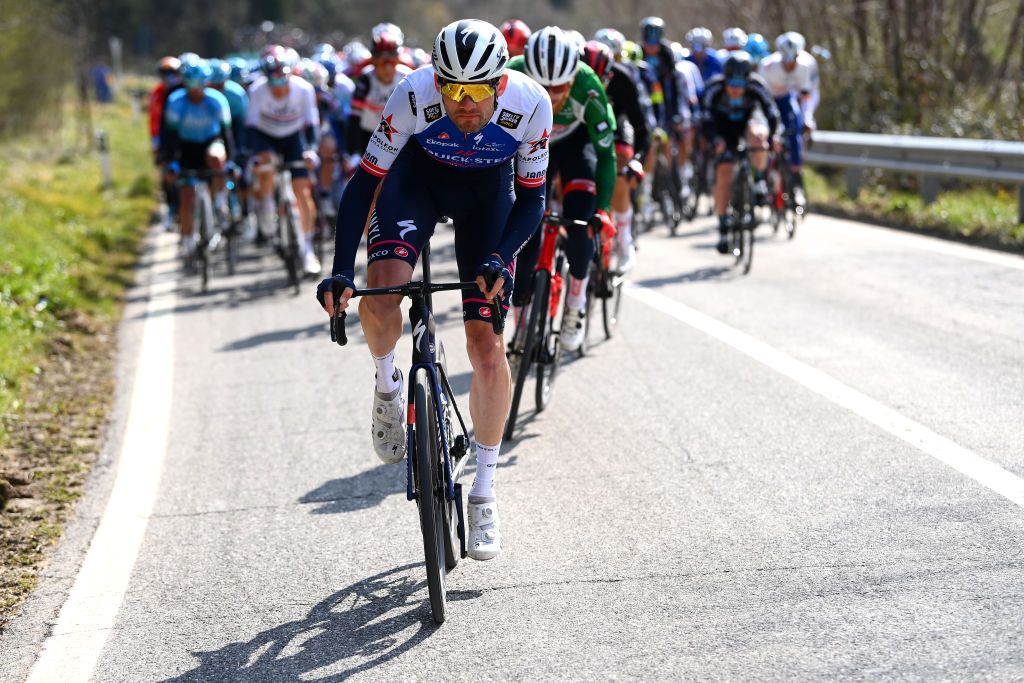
[
  {"x": 559, "y": 94},
  {"x": 385, "y": 68},
  {"x": 734, "y": 92},
  {"x": 467, "y": 115}
]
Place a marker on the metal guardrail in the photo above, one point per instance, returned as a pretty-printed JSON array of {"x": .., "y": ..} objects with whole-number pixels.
[{"x": 928, "y": 157}]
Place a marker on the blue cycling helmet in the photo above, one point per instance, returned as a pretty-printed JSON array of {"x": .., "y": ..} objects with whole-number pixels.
[
  {"x": 239, "y": 67},
  {"x": 652, "y": 30},
  {"x": 194, "y": 73},
  {"x": 757, "y": 47},
  {"x": 220, "y": 72}
]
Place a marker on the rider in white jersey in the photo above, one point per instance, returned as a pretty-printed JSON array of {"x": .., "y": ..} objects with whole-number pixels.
[
  {"x": 373, "y": 88},
  {"x": 792, "y": 78},
  {"x": 283, "y": 119}
]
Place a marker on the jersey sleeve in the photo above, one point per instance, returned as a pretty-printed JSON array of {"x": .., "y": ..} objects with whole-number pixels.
[
  {"x": 600, "y": 122},
  {"x": 397, "y": 124},
  {"x": 312, "y": 111},
  {"x": 532, "y": 156}
]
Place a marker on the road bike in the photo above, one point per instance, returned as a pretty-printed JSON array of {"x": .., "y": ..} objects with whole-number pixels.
[
  {"x": 604, "y": 284},
  {"x": 741, "y": 218},
  {"x": 288, "y": 233},
  {"x": 535, "y": 343},
  {"x": 786, "y": 212},
  {"x": 437, "y": 449},
  {"x": 211, "y": 228}
]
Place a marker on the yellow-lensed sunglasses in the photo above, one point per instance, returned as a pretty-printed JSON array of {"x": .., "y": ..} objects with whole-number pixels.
[{"x": 460, "y": 91}]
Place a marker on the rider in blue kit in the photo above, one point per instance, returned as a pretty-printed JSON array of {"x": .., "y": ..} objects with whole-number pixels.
[{"x": 465, "y": 138}]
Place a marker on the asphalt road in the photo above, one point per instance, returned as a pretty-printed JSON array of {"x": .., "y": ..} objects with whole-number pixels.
[{"x": 683, "y": 510}]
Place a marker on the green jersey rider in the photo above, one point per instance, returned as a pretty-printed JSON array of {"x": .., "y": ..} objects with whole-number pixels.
[{"x": 583, "y": 157}]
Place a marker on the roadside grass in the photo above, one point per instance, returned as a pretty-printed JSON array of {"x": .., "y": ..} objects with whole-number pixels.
[
  {"x": 67, "y": 253},
  {"x": 985, "y": 215}
]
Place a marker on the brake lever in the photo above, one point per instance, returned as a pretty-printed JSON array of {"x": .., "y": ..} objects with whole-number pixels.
[{"x": 338, "y": 335}]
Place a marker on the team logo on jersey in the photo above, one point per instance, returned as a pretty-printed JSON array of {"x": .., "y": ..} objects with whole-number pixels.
[
  {"x": 432, "y": 113},
  {"x": 602, "y": 126},
  {"x": 412, "y": 102},
  {"x": 386, "y": 127},
  {"x": 485, "y": 312},
  {"x": 509, "y": 119},
  {"x": 540, "y": 143},
  {"x": 443, "y": 136},
  {"x": 401, "y": 252}
]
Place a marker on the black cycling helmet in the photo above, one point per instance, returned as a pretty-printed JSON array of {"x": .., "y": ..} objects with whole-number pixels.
[{"x": 738, "y": 66}]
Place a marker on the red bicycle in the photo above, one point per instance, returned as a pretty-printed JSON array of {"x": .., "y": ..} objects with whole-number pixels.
[{"x": 535, "y": 341}]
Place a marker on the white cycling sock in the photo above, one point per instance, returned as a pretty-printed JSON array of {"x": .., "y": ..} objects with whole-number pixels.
[
  {"x": 387, "y": 375},
  {"x": 577, "y": 297},
  {"x": 267, "y": 205},
  {"x": 221, "y": 198},
  {"x": 486, "y": 464},
  {"x": 623, "y": 221}
]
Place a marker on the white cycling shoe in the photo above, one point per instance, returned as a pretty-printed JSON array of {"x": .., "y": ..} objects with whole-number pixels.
[
  {"x": 573, "y": 329},
  {"x": 484, "y": 541},
  {"x": 389, "y": 424},
  {"x": 627, "y": 257}
]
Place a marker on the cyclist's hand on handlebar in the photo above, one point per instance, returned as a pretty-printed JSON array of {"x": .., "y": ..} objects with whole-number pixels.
[
  {"x": 311, "y": 158},
  {"x": 491, "y": 277},
  {"x": 334, "y": 292},
  {"x": 633, "y": 172}
]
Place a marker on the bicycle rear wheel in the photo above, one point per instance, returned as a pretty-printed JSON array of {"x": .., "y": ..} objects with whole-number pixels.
[
  {"x": 430, "y": 494},
  {"x": 538, "y": 307}
]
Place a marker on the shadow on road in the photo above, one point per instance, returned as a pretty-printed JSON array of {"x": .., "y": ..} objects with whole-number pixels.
[
  {"x": 699, "y": 275},
  {"x": 358, "y": 492},
  {"x": 354, "y": 630}
]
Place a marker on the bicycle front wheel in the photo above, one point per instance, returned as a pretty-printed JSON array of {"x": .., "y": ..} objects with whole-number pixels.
[
  {"x": 290, "y": 246},
  {"x": 430, "y": 493},
  {"x": 610, "y": 303},
  {"x": 202, "y": 247},
  {"x": 528, "y": 347},
  {"x": 746, "y": 258}
]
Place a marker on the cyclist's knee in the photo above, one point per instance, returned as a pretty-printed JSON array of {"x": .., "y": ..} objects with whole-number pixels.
[{"x": 485, "y": 349}]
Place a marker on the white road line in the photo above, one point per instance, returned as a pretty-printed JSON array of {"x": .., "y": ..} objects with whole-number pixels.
[
  {"x": 936, "y": 245},
  {"x": 966, "y": 462},
  {"x": 72, "y": 649}
]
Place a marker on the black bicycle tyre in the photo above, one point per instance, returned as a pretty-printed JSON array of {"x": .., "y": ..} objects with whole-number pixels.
[
  {"x": 547, "y": 371},
  {"x": 610, "y": 304},
  {"x": 430, "y": 494},
  {"x": 747, "y": 250},
  {"x": 290, "y": 247},
  {"x": 540, "y": 327},
  {"x": 528, "y": 352},
  {"x": 588, "y": 308},
  {"x": 202, "y": 254}
]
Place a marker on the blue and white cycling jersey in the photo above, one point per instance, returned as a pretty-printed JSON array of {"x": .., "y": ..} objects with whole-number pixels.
[
  {"x": 197, "y": 121},
  {"x": 519, "y": 128}
]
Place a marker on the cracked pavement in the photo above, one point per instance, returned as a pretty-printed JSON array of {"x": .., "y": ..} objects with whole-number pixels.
[{"x": 679, "y": 512}]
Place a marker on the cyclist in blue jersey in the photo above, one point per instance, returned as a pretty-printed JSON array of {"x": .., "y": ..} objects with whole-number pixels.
[
  {"x": 467, "y": 139},
  {"x": 702, "y": 54},
  {"x": 238, "y": 101},
  {"x": 196, "y": 136}
]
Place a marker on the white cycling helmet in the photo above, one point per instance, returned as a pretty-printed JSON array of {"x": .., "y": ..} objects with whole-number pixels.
[
  {"x": 790, "y": 44},
  {"x": 700, "y": 39},
  {"x": 469, "y": 51},
  {"x": 734, "y": 38},
  {"x": 612, "y": 38},
  {"x": 390, "y": 29},
  {"x": 551, "y": 57}
]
